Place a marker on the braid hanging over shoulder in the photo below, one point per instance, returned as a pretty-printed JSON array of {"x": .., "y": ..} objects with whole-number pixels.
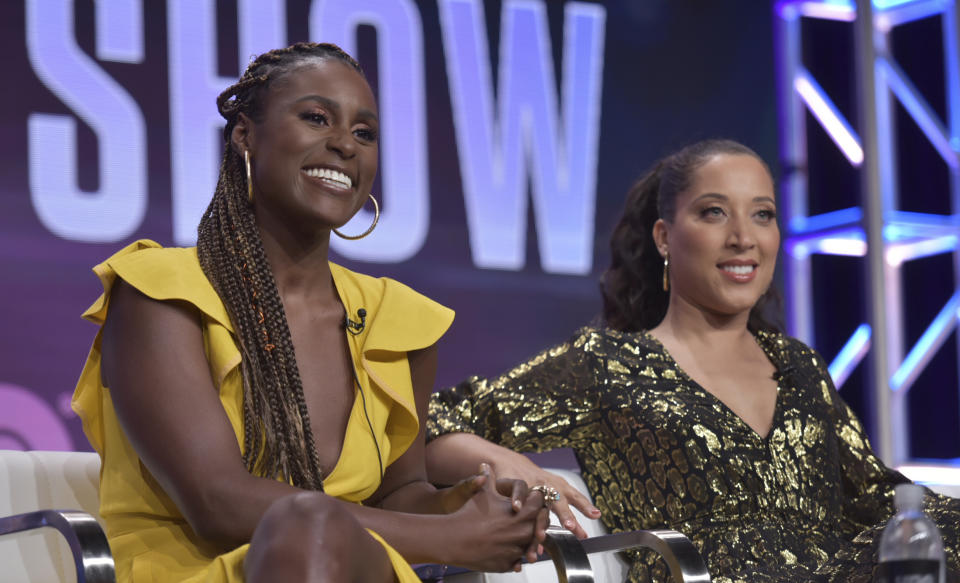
[{"x": 277, "y": 437}]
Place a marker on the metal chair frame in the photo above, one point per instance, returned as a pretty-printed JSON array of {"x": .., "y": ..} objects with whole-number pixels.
[
  {"x": 87, "y": 541},
  {"x": 569, "y": 555}
]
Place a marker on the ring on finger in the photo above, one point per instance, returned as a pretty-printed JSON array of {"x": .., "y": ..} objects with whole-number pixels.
[{"x": 550, "y": 494}]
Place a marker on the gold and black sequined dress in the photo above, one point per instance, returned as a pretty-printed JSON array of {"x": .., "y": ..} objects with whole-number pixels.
[{"x": 805, "y": 503}]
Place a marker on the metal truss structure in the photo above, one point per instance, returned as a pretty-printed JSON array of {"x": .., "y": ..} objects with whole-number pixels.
[{"x": 876, "y": 229}]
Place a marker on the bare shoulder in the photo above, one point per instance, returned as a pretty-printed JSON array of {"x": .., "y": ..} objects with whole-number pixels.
[{"x": 136, "y": 320}]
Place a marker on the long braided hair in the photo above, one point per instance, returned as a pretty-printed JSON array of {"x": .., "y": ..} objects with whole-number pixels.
[
  {"x": 277, "y": 437},
  {"x": 633, "y": 295}
]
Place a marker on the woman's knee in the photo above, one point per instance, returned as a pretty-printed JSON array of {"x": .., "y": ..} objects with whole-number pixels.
[
  {"x": 302, "y": 523},
  {"x": 305, "y": 513},
  {"x": 311, "y": 536}
]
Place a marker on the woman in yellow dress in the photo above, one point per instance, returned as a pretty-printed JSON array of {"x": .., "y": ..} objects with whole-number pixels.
[{"x": 257, "y": 408}]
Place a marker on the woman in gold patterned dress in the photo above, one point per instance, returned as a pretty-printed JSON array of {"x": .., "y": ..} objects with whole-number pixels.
[{"x": 689, "y": 410}]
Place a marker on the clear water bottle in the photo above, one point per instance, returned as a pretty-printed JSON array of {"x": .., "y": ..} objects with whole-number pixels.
[{"x": 911, "y": 550}]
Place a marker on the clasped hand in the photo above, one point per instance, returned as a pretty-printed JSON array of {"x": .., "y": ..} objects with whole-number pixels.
[
  {"x": 498, "y": 522},
  {"x": 520, "y": 468}
]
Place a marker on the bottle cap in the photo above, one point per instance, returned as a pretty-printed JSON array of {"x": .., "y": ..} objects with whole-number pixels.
[{"x": 908, "y": 497}]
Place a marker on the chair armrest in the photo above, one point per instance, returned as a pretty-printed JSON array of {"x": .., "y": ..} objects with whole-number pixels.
[
  {"x": 91, "y": 552},
  {"x": 569, "y": 555},
  {"x": 684, "y": 561}
]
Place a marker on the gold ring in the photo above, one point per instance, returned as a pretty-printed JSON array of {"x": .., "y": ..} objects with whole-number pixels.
[{"x": 550, "y": 493}]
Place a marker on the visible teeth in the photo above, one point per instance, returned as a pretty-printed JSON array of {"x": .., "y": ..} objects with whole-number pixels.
[
  {"x": 339, "y": 178},
  {"x": 738, "y": 269}
]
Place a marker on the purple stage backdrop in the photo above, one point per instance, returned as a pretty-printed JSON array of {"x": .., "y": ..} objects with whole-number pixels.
[{"x": 511, "y": 131}]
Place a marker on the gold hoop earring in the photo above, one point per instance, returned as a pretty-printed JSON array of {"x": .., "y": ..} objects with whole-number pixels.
[
  {"x": 376, "y": 219},
  {"x": 666, "y": 273},
  {"x": 246, "y": 160}
]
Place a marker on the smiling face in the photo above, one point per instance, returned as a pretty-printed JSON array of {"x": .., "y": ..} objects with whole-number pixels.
[
  {"x": 314, "y": 148},
  {"x": 723, "y": 239}
]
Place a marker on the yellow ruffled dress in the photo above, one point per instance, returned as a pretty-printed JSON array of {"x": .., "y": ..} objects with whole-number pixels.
[{"x": 150, "y": 539}]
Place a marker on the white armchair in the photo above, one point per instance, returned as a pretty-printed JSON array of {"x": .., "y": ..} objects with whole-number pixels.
[{"x": 56, "y": 490}]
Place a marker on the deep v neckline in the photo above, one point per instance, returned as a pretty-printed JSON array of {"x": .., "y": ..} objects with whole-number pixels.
[
  {"x": 354, "y": 381},
  {"x": 775, "y": 419}
]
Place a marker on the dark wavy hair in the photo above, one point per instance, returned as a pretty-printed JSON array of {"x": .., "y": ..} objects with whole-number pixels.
[
  {"x": 633, "y": 294},
  {"x": 277, "y": 437}
]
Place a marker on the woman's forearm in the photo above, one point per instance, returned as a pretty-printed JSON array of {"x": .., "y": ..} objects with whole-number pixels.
[
  {"x": 234, "y": 512},
  {"x": 455, "y": 456},
  {"x": 416, "y": 497},
  {"x": 420, "y": 538}
]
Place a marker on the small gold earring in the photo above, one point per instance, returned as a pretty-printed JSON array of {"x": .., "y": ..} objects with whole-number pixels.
[
  {"x": 666, "y": 273},
  {"x": 376, "y": 219},
  {"x": 246, "y": 160}
]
